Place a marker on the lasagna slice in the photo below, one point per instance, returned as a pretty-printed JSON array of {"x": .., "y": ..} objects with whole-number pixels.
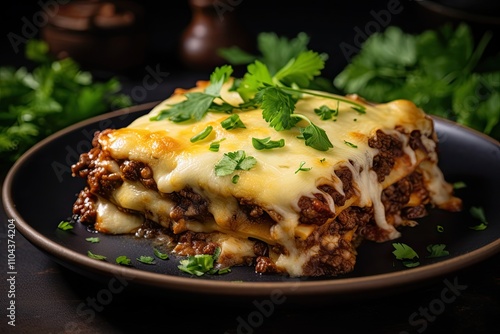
[{"x": 284, "y": 208}]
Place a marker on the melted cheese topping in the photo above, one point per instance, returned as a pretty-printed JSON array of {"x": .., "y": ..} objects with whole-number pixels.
[{"x": 275, "y": 184}]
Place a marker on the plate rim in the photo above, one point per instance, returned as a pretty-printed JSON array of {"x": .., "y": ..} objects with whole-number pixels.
[{"x": 336, "y": 286}]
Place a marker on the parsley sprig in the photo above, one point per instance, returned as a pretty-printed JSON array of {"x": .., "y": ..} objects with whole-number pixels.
[{"x": 197, "y": 104}]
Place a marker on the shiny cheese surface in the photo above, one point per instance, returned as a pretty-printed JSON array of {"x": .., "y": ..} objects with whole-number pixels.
[{"x": 275, "y": 183}]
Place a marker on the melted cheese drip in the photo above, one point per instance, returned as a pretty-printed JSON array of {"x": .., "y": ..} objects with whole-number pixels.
[
  {"x": 274, "y": 183},
  {"x": 111, "y": 220}
]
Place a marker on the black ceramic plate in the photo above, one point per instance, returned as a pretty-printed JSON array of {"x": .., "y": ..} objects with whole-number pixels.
[{"x": 39, "y": 192}]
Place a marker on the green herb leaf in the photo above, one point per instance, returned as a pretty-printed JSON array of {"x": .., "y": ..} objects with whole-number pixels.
[
  {"x": 406, "y": 254},
  {"x": 203, "y": 264},
  {"x": 123, "y": 260},
  {"x": 302, "y": 168},
  {"x": 350, "y": 144},
  {"x": 197, "y": 104},
  {"x": 459, "y": 185},
  {"x": 217, "y": 253},
  {"x": 277, "y": 108},
  {"x": 218, "y": 77},
  {"x": 93, "y": 240},
  {"x": 197, "y": 264},
  {"x": 410, "y": 263},
  {"x": 325, "y": 112},
  {"x": 478, "y": 213},
  {"x": 403, "y": 251},
  {"x": 215, "y": 146},
  {"x": 437, "y": 250},
  {"x": 146, "y": 259},
  {"x": 224, "y": 271},
  {"x": 479, "y": 227},
  {"x": 268, "y": 43},
  {"x": 64, "y": 225},
  {"x": 267, "y": 143},
  {"x": 257, "y": 77},
  {"x": 194, "y": 107},
  {"x": 301, "y": 70},
  {"x": 359, "y": 109},
  {"x": 233, "y": 122},
  {"x": 233, "y": 161},
  {"x": 160, "y": 255},
  {"x": 236, "y": 56},
  {"x": 316, "y": 137},
  {"x": 96, "y": 256},
  {"x": 202, "y": 135}
]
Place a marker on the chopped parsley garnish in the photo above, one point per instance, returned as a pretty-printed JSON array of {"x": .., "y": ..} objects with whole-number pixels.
[
  {"x": 478, "y": 213},
  {"x": 440, "y": 228},
  {"x": 197, "y": 264},
  {"x": 437, "y": 250},
  {"x": 96, "y": 256},
  {"x": 459, "y": 185},
  {"x": 406, "y": 254},
  {"x": 233, "y": 161},
  {"x": 146, "y": 259},
  {"x": 123, "y": 260},
  {"x": 160, "y": 255},
  {"x": 232, "y": 122},
  {"x": 93, "y": 240},
  {"x": 235, "y": 179},
  {"x": 267, "y": 143},
  {"x": 350, "y": 144},
  {"x": 201, "y": 264},
  {"x": 302, "y": 168},
  {"x": 64, "y": 225},
  {"x": 202, "y": 135},
  {"x": 215, "y": 146},
  {"x": 224, "y": 271},
  {"x": 359, "y": 109},
  {"x": 325, "y": 112}
]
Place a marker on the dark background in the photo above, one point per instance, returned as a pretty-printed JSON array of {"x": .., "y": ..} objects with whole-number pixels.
[
  {"x": 328, "y": 24},
  {"x": 51, "y": 293}
]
